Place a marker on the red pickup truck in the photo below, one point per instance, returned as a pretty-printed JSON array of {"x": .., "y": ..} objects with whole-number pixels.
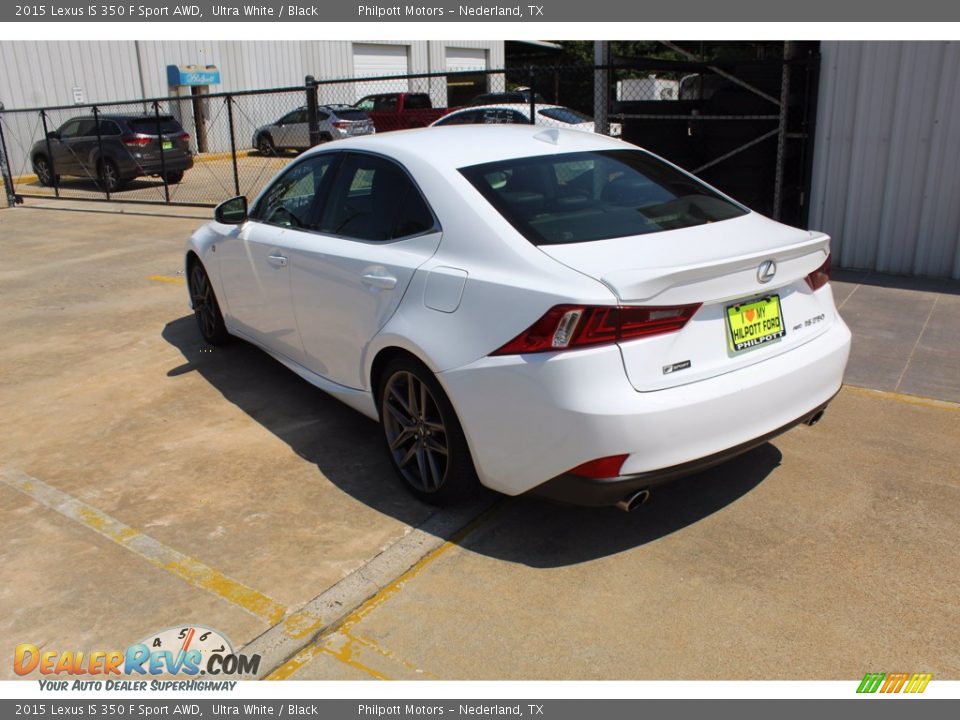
[{"x": 400, "y": 111}]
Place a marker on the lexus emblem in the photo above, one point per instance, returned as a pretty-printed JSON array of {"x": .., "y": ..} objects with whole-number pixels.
[{"x": 766, "y": 271}]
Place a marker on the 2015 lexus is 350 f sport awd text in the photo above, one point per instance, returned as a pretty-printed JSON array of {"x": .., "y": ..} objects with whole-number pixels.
[{"x": 534, "y": 310}]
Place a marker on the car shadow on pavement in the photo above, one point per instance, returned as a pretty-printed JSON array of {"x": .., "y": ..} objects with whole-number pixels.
[{"x": 347, "y": 448}]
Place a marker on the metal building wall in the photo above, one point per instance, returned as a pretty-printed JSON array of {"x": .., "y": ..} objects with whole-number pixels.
[{"x": 886, "y": 167}]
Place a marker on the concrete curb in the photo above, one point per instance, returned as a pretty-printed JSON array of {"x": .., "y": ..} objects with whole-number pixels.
[{"x": 302, "y": 628}]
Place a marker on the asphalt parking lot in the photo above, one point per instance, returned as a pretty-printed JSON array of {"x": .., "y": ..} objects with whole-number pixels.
[{"x": 149, "y": 481}]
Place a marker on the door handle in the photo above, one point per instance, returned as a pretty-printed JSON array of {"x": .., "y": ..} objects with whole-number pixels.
[
  {"x": 277, "y": 260},
  {"x": 380, "y": 281}
]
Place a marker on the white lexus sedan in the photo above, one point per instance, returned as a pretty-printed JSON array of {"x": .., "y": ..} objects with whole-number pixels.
[
  {"x": 545, "y": 311},
  {"x": 519, "y": 113}
]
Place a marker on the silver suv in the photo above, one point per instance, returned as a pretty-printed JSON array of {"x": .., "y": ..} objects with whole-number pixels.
[{"x": 292, "y": 132}]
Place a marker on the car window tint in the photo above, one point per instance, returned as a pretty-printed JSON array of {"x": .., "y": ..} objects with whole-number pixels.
[
  {"x": 417, "y": 102},
  {"x": 69, "y": 129},
  {"x": 108, "y": 127},
  {"x": 565, "y": 115},
  {"x": 321, "y": 116},
  {"x": 372, "y": 198},
  {"x": 294, "y": 198},
  {"x": 385, "y": 102},
  {"x": 290, "y": 117},
  {"x": 365, "y": 104},
  {"x": 148, "y": 125},
  {"x": 467, "y": 117},
  {"x": 88, "y": 128},
  {"x": 579, "y": 197}
]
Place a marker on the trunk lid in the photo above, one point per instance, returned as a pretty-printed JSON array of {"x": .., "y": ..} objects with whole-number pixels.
[{"x": 717, "y": 265}]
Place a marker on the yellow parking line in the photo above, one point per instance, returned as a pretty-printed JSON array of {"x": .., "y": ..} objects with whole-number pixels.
[
  {"x": 345, "y": 626},
  {"x": 166, "y": 279},
  {"x": 918, "y": 400},
  {"x": 156, "y": 553}
]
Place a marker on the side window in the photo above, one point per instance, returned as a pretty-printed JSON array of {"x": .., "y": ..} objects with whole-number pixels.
[
  {"x": 321, "y": 116},
  {"x": 467, "y": 117},
  {"x": 372, "y": 198},
  {"x": 386, "y": 102},
  {"x": 518, "y": 118},
  {"x": 365, "y": 104},
  {"x": 88, "y": 128},
  {"x": 69, "y": 129},
  {"x": 108, "y": 128},
  {"x": 417, "y": 102},
  {"x": 294, "y": 199},
  {"x": 290, "y": 117}
]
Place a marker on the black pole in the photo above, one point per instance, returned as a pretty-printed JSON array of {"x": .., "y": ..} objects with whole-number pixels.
[
  {"x": 5, "y": 169},
  {"x": 233, "y": 146},
  {"x": 163, "y": 157},
  {"x": 533, "y": 100},
  {"x": 312, "y": 122},
  {"x": 53, "y": 168},
  {"x": 101, "y": 161}
]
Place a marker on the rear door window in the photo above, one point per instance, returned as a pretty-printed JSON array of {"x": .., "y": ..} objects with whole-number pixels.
[
  {"x": 373, "y": 198},
  {"x": 585, "y": 196}
]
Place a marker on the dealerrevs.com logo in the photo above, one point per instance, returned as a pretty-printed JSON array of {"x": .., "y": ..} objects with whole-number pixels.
[
  {"x": 894, "y": 682},
  {"x": 189, "y": 651}
]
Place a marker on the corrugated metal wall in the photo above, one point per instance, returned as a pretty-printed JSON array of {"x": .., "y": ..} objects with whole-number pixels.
[
  {"x": 44, "y": 73},
  {"x": 886, "y": 168}
]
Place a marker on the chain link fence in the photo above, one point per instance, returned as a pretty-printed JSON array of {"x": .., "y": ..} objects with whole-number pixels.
[{"x": 744, "y": 129}]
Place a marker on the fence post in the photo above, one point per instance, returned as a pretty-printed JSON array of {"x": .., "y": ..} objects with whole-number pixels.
[
  {"x": 53, "y": 168},
  {"x": 782, "y": 130},
  {"x": 233, "y": 146},
  {"x": 601, "y": 83},
  {"x": 312, "y": 122},
  {"x": 163, "y": 157},
  {"x": 5, "y": 166},
  {"x": 101, "y": 161},
  {"x": 533, "y": 96}
]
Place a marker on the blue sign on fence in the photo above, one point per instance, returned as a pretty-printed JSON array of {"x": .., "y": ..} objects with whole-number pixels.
[{"x": 193, "y": 75}]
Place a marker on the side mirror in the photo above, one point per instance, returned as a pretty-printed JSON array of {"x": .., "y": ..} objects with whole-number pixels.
[
  {"x": 53, "y": 135},
  {"x": 232, "y": 211}
]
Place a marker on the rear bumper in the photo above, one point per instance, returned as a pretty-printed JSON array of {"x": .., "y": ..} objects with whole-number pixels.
[
  {"x": 592, "y": 492},
  {"x": 170, "y": 164},
  {"x": 530, "y": 419}
]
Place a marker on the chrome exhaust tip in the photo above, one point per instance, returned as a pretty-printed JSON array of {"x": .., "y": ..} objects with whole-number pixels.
[
  {"x": 633, "y": 501},
  {"x": 816, "y": 418}
]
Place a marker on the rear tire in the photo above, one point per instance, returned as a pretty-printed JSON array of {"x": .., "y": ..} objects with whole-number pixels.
[
  {"x": 265, "y": 145},
  {"x": 423, "y": 436},
  {"x": 110, "y": 179},
  {"x": 206, "y": 309},
  {"x": 173, "y": 177}
]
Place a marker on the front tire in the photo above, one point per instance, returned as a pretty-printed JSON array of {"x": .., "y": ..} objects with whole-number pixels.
[
  {"x": 44, "y": 172},
  {"x": 110, "y": 179},
  {"x": 206, "y": 308},
  {"x": 424, "y": 439},
  {"x": 174, "y": 177}
]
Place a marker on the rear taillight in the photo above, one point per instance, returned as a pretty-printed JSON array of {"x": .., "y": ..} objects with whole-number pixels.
[
  {"x": 565, "y": 327},
  {"x": 821, "y": 276},
  {"x": 183, "y": 136},
  {"x": 606, "y": 467},
  {"x": 342, "y": 124},
  {"x": 136, "y": 140}
]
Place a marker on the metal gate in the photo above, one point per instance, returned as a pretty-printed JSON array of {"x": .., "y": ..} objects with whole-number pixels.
[{"x": 744, "y": 128}]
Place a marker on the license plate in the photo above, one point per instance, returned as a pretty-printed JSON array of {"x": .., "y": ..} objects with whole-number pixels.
[
  {"x": 168, "y": 144},
  {"x": 754, "y": 323}
]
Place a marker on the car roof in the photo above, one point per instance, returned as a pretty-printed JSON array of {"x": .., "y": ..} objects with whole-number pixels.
[
  {"x": 448, "y": 148},
  {"x": 507, "y": 106}
]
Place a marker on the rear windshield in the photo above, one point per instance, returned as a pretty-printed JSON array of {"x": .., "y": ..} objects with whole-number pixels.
[
  {"x": 345, "y": 114},
  {"x": 566, "y": 115},
  {"x": 148, "y": 126},
  {"x": 584, "y": 196}
]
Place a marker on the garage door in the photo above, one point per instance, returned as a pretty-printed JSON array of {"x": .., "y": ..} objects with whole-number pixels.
[
  {"x": 460, "y": 59},
  {"x": 378, "y": 60},
  {"x": 463, "y": 88}
]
